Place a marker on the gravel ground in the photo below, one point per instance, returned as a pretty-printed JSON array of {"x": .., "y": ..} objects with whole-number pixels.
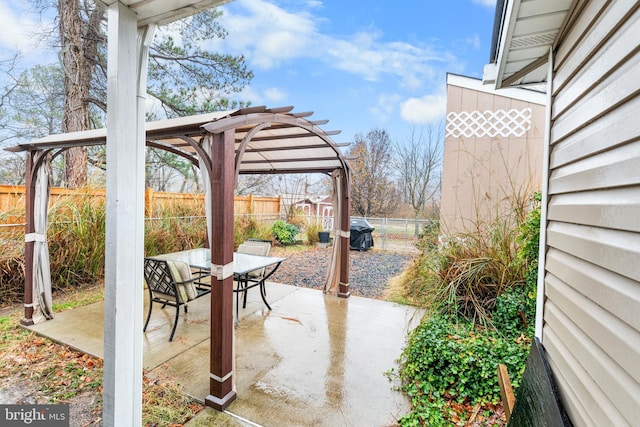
[{"x": 369, "y": 272}]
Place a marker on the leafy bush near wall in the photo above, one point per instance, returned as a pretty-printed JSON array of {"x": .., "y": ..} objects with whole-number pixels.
[
  {"x": 445, "y": 357},
  {"x": 481, "y": 293},
  {"x": 284, "y": 233}
]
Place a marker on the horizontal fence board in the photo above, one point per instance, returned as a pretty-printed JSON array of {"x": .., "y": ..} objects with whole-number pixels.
[{"x": 12, "y": 200}]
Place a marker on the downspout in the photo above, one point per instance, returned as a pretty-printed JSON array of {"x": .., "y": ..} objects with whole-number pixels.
[{"x": 542, "y": 243}]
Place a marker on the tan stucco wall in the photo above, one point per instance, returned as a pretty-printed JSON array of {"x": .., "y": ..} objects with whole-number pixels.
[{"x": 482, "y": 175}]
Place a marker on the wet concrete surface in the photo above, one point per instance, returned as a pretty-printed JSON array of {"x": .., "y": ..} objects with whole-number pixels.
[{"x": 314, "y": 360}]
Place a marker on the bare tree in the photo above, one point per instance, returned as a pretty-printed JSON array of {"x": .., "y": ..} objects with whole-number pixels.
[
  {"x": 254, "y": 184},
  {"x": 417, "y": 163},
  {"x": 373, "y": 191},
  {"x": 36, "y": 102}
]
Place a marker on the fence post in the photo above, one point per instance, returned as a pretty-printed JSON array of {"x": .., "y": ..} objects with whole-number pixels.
[
  {"x": 148, "y": 202},
  {"x": 406, "y": 232},
  {"x": 384, "y": 232}
]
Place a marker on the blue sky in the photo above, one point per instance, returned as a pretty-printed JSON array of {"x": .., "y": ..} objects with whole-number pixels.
[{"x": 360, "y": 64}]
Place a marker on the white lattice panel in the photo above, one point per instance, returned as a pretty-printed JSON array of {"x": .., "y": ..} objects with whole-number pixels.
[{"x": 489, "y": 123}]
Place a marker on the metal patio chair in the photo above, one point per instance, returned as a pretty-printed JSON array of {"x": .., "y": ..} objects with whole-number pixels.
[{"x": 170, "y": 283}]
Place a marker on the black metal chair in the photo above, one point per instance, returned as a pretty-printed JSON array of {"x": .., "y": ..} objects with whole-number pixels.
[{"x": 170, "y": 284}]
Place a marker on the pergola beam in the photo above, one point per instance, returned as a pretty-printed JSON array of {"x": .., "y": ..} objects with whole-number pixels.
[
  {"x": 292, "y": 136},
  {"x": 291, "y": 160},
  {"x": 292, "y": 147},
  {"x": 285, "y": 171}
]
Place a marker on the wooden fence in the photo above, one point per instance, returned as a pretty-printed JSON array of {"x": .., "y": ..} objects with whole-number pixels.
[{"x": 12, "y": 202}]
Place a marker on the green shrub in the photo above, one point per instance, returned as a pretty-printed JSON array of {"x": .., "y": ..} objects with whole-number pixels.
[
  {"x": 284, "y": 233},
  {"x": 515, "y": 310},
  {"x": 428, "y": 237},
  {"x": 247, "y": 227},
  {"x": 451, "y": 357},
  {"x": 459, "y": 360}
]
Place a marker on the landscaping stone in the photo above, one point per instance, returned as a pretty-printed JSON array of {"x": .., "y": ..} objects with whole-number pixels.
[{"x": 369, "y": 271}]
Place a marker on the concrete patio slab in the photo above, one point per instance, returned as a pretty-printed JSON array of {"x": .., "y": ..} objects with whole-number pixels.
[{"x": 315, "y": 359}]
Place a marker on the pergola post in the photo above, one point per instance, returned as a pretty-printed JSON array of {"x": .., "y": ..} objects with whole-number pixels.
[
  {"x": 30, "y": 193},
  {"x": 222, "y": 178},
  {"x": 345, "y": 221},
  {"x": 123, "y": 306}
]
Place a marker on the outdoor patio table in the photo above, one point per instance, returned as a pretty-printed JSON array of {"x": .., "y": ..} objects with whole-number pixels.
[{"x": 243, "y": 264}]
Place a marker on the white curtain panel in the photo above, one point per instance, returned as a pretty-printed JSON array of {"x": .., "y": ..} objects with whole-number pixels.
[
  {"x": 42, "y": 301},
  {"x": 332, "y": 282}
]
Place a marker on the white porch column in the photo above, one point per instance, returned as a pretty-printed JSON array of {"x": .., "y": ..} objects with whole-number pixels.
[{"x": 127, "y": 65}]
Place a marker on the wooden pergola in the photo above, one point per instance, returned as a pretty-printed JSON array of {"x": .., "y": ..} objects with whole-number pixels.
[{"x": 223, "y": 145}]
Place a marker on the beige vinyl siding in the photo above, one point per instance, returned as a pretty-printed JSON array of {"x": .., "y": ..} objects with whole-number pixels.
[{"x": 591, "y": 328}]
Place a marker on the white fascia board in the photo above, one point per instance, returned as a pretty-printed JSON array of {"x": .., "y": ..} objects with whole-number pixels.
[
  {"x": 506, "y": 33},
  {"x": 526, "y": 95}
]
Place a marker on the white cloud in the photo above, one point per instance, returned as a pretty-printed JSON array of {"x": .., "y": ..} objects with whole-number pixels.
[
  {"x": 274, "y": 94},
  {"x": 260, "y": 97},
  {"x": 248, "y": 93},
  {"x": 385, "y": 106},
  {"x": 426, "y": 109},
  {"x": 474, "y": 41},
  {"x": 486, "y": 3},
  {"x": 15, "y": 28},
  {"x": 270, "y": 36},
  {"x": 267, "y": 34},
  {"x": 315, "y": 4}
]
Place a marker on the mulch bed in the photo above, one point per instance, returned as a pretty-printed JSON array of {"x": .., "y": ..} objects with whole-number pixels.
[{"x": 369, "y": 273}]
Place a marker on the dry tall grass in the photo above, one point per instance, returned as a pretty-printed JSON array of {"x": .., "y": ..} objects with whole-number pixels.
[{"x": 465, "y": 273}]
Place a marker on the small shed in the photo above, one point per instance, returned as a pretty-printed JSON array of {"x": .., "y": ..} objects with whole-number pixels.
[{"x": 319, "y": 209}]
